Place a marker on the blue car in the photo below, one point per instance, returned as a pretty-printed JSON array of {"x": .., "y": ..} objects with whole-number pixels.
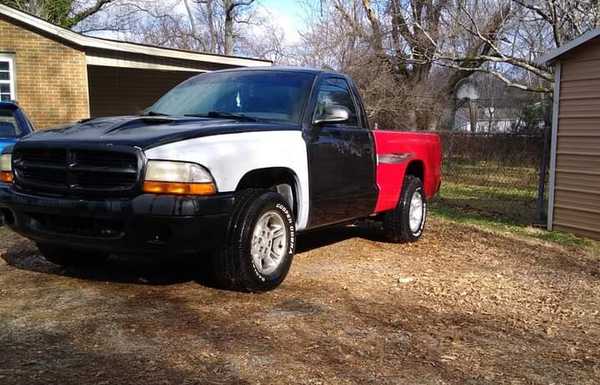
[{"x": 14, "y": 124}]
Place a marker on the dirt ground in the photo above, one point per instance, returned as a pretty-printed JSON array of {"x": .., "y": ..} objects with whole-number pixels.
[{"x": 462, "y": 306}]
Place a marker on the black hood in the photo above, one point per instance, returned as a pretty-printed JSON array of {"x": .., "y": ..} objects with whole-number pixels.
[{"x": 148, "y": 131}]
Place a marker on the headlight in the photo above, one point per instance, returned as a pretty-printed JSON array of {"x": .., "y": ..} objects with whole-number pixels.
[
  {"x": 182, "y": 178},
  {"x": 6, "y": 174}
]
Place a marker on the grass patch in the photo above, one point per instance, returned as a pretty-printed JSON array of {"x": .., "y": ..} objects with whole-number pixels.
[
  {"x": 488, "y": 174},
  {"x": 508, "y": 210},
  {"x": 465, "y": 191},
  {"x": 481, "y": 221},
  {"x": 505, "y": 205}
]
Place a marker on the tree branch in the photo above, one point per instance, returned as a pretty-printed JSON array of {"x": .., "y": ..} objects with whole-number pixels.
[
  {"x": 498, "y": 75},
  {"x": 72, "y": 21}
]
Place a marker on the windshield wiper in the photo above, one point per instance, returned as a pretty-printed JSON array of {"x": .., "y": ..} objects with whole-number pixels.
[{"x": 225, "y": 115}]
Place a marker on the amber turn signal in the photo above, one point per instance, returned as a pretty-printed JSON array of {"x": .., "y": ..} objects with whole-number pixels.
[
  {"x": 6, "y": 176},
  {"x": 179, "y": 188}
]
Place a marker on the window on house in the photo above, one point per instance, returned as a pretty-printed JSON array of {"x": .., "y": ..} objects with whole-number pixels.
[{"x": 7, "y": 77}]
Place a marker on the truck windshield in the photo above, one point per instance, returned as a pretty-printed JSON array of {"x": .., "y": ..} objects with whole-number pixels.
[{"x": 244, "y": 95}]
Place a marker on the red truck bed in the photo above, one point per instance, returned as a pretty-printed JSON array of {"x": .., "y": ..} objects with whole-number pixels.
[{"x": 397, "y": 151}]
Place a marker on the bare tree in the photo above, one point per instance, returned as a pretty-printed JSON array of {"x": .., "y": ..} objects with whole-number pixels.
[
  {"x": 231, "y": 8},
  {"x": 219, "y": 18},
  {"x": 214, "y": 26},
  {"x": 530, "y": 29},
  {"x": 565, "y": 19},
  {"x": 191, "y": 17},
  {"x": 416, "y": 34},
  {"x": 400, "y": 41},
  {"x": 66, "y": 13},
  {"x": 424, "y": 49},
  {"x": 268, "y": 42},
  {"x": 212, "y": 32}
]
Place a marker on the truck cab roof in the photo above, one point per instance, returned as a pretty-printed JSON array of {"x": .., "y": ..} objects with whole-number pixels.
[
  {"x": 14, "y": 123},
  {"x": 9, "y": 105},
  {"x": 315, "y": 71}
]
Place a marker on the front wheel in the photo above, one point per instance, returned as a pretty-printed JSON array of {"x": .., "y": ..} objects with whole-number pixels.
[
  {"x": 407, "y": 221},
  {"x": 260, "y": 243}
]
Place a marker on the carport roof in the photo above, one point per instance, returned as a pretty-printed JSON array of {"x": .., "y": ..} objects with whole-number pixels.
[{"x": 95, "y": 43}]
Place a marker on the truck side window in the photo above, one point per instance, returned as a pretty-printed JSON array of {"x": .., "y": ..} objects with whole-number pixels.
[{"x": 335, "y": 92}]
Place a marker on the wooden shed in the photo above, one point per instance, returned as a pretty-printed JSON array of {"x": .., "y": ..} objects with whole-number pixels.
[{"x": 574, "y": 185}]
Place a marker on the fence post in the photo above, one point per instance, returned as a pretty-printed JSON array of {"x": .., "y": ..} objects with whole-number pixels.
[{"x": 540, "y": 207}]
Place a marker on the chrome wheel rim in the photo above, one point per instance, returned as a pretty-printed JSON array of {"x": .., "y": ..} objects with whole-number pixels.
[
  {"x": 416, "y": 212},
  {"x": 269, "y": 242}
]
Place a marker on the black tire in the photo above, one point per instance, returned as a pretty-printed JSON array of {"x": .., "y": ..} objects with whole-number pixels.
[
  {"x": 396, "y": 223},
  {"x": 66, "y": 256},
  {"x": 232, "y": 266}
]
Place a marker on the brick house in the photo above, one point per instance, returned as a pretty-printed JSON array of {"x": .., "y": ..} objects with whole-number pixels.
[{"x": 60, "y": 76}]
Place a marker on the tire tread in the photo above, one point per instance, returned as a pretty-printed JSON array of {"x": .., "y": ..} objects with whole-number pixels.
[
  {"x": 395, "y": 224},
  {"x": 228, "y": 269}
]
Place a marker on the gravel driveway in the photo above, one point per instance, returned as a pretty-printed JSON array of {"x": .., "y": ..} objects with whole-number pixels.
[{"x": 462, "y": 306}]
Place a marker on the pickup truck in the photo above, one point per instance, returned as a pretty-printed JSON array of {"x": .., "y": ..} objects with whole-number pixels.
[{"x": 230, "y": 165}]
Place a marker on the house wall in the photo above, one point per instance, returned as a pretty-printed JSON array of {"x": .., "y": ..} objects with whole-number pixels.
[
  {"x": 125, "y": 91},
  {"x": 577, "y": 178},
  {"x": 51, "y": 77}
]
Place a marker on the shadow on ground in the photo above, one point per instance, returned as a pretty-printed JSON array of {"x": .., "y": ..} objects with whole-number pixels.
[
  {"x": 169, "y": 270},
  {"x": 483, "y": 309}
]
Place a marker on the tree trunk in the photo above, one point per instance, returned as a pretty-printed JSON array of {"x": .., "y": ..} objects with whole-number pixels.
[
  {"x": 449, "y": 116},
  {"x": 229, "y": 7},
  {"x": 472, "y": 115},
  {"x": 192, "y": 19},
  {"x": 412, "y": 120},
  {"x": 211, "y": 26}
]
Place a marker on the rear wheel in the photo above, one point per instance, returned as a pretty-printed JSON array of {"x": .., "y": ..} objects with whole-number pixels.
[
  {"x": 66, "y": 256},
  {"x": 260, "y": 244},
  {"x": 407, "y": 221}
]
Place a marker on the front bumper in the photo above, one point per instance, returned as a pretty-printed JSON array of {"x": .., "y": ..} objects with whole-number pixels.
[{"x": 146, "y": 223}]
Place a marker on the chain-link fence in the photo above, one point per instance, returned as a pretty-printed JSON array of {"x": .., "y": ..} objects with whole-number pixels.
[{"x": 492, "y": 176}]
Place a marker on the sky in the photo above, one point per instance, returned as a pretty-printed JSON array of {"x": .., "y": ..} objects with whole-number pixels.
[{"x": 288, "y": 14}]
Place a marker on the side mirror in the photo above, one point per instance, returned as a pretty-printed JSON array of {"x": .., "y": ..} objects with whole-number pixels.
[{"x": 333, "y": 114}]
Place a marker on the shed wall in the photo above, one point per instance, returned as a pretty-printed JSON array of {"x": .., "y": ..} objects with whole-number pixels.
[{"x": 577, "y": 183}]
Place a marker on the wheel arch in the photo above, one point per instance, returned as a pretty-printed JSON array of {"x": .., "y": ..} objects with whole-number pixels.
[
  {"x": 269, "y": 177},
  {"x": 416, "y": 168}
]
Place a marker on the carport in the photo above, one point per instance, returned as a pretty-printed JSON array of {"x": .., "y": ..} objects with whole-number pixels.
[
  {"x": 125, "y": 78},
  {"x": 137, "y": 88}
]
